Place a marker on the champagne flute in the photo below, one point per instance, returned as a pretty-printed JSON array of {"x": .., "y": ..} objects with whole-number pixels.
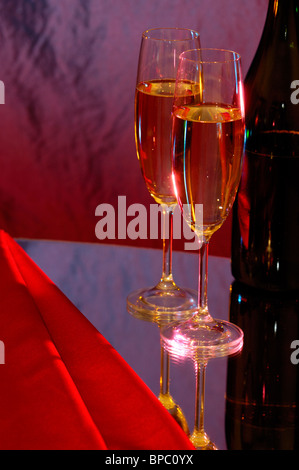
[
  {"x": 157, "y": 67},
  {"x": 208, "y": 143}
]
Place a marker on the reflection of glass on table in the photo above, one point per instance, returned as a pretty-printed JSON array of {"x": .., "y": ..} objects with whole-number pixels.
[
  {"x": 164, "y": 396},
  {"x": 138, "y": 342}
]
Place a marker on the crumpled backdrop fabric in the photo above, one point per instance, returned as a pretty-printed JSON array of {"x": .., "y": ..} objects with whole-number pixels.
[{"x": 63, "y": 386}]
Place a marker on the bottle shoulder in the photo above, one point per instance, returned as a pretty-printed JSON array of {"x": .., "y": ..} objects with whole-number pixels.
[{"x": 271, "y": 92}]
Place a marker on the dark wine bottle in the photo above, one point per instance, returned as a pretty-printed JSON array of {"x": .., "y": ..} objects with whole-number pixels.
[
  {"x": 262, "y": 396},
  {"x": 265, "y": 230}
]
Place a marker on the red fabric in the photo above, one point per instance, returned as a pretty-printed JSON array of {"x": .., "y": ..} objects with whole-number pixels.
[{"x": 63, "y": 386}]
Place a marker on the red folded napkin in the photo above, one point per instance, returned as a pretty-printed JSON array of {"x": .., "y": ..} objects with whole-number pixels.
[{"x": 63, "y": 386}]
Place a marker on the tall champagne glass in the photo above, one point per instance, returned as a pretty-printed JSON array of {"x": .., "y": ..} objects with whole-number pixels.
[
  {"x": 208, "y": 141},
  {"x": 157, "y": 67}
]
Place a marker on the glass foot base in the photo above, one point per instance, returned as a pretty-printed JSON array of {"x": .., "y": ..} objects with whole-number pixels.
[
  {"x": 201, "y": 441},
  {"x": 201, "y": 340},
  {"x": 160, "y": 305}
]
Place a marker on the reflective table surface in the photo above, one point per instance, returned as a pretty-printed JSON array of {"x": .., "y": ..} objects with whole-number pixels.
[{"x": 98, "y": 278}]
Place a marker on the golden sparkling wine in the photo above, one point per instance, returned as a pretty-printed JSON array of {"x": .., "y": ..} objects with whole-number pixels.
[
  {"x": 208, "y": 147},
  {"x": 153, "y": 124},
  {"x": 159, "y": 54}
]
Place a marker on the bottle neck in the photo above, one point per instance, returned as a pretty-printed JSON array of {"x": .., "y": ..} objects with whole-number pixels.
[
  {"x": 271, "y": 116},
  {"x": 282, "y": 20},
  {"x": 279, "y": 37}
]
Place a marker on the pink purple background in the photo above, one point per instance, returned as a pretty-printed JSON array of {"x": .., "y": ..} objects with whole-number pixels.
[{"x": 66, "y": 129}]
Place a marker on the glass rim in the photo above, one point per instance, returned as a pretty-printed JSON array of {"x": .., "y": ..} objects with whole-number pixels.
[
  {"x": 145, "y": 34},
  {"x": 235, "y": 56}
]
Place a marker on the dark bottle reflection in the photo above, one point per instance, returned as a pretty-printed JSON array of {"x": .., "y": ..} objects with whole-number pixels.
[{"x": 262, "y": 396}]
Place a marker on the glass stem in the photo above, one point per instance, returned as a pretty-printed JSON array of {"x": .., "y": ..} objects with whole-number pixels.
[
  {"x": 164, "y": 376},
  {"x": 203, "y": 281},
  {"x": 164, "y": 395},
  {"x": 167, "y": 235},
  {"x": 199, "y": 437}
]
